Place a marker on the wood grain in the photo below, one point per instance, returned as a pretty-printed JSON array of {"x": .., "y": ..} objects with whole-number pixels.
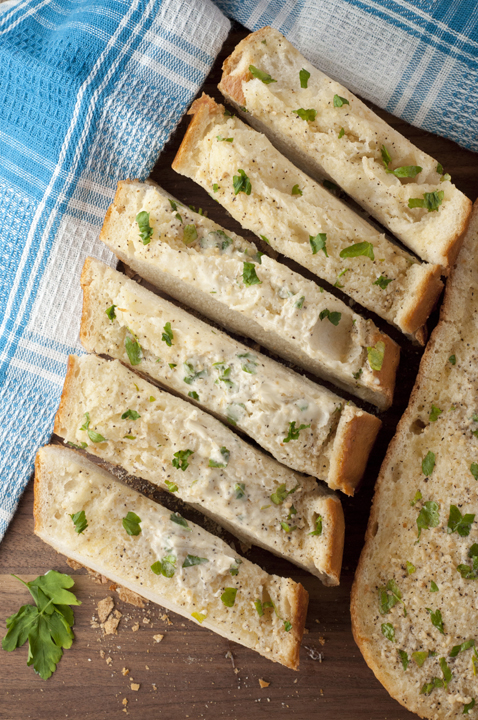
[{"x": 193, "y": 673}]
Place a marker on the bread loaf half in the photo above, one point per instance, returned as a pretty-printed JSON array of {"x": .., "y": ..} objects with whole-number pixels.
[
  {"x": 415, "y": 596},
  {"x": 125, "y": 420},
  {"x": 303, "y": 220},
  {"x": 163, "y": 557},
  {"x": 329, "y": 132},
  {"x": 265, "y": 399},
  {"x": 224, "y": 277}
]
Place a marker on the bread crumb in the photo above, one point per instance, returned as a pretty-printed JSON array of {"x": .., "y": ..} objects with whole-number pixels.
[
  {"x": 263, "y": 683},
  {"x": 102, "y": 654},
  {"x": 322, "y": 640},
  {"x": 110, "y": 626},
  {"x": 147, "y": 667},
  {"x": 73, "y": 564},
  {"x": 146, "y": 620},
  {"x": 236, "y": 670},
  {"x": 158, "y": 638},
  {"x": 135, "y": 686},
  {"x": 317, "y": 621},
  {"x": 125, "y": 701},
  {"x": 321, "y": 691},
  {"x": 109, "y": 660},
  {"x": 94, "y": 624},
  {"x": 104, "y": 608},
  {"x": 165, "y": 619},
  {"x": 135, "y": 627},
  {"x": 97, "y": 578},
  {"x": 125, "y": 672},
  {"x": 154, "y": 687},
  {"x": 128, "y": 596}
]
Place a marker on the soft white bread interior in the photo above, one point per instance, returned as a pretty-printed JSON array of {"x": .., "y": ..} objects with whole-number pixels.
[
  {"x": 125, "y": 420},
  {"x": 225, "y": 278},
  {"x": 264, "y": 396},
  {"x": 344, "y": 142},
  {"x": 66, "y": 483},
  {"x": 288, "y": 208},
  {"x": 418, "y": 571}
]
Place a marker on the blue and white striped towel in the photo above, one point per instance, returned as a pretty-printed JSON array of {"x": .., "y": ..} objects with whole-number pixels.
[{"x": 90, "y": 92}]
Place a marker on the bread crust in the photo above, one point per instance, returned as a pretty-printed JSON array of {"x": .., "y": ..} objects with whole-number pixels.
[
  {"x": 355, "y": 437},
  {"x": 201, "y": 109},
  {"x": 299, "y": 605},
  {"x": 66, "y": 395},
  {"x": 386, "y": 376},
  {"x": 333, "y": 563},
  {"x": 425, "y": 296}
]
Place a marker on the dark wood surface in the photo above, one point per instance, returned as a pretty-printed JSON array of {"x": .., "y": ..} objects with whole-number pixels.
[{"x": 193, "y": 673}]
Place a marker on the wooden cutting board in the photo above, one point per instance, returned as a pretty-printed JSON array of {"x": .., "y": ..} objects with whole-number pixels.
[{"x": 190, "y": 672}]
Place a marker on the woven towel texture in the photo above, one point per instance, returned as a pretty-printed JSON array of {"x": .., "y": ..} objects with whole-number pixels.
[
  {"x": 416, "y": 59},
  {"x": 89, "y": 94}
]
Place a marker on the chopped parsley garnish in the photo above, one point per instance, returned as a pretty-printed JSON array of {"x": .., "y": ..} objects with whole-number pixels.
[
  {"x": 469, "y": 706},
  {"x": 224, "y": 378},
  {"x": 166, "y": 566},
  {"x": 179, "y": 520},
  {"x": 340, "y": 101},
  {"x": 389, "y": 596},
  {"x": 46, "y": 625},
  {"x": 240, "y": 490},
  {"x": 474, "y": 470},
  {"x": 430, "y": 201},
  {"x": 234, "y": 569},
  {"x": 300, "y": 302},
  {"x": 388, "y": 631},
  {"x": 167, "y": 335},
  {"x": 428, "y": 463},
  {"x": 404, "y": 658},
  {"x": 129, "y": 437},
  {"x": 357, "y": 374},
  {"x": 376, "y": 355},
  {"x": 131, "y": 523},
  {"x": 181, "y": 459},
  {"x": 338, "y": 284},
  {"x": 81, "y": 446},
  {"x": 178, "y": 217},
  {"x": 428, "y": 517},
  {"x": 190, "y": 234},
  {"x": 341, "y": 133},
  {"x": 192, "y": 374},
  {"x": 437, "y": 620},
  {"x": 456, "y": 649},
  {"x": 400, "y": 172},
  {"x": 172, "y": 487},
  {"x": 304, "y": 76},
  {"x": 386, "y": 157},
  {"x": 459, "y": 523},
  {"x": 130, "y": 415},
  {"x": 249, "y": 363},
  {"x": 215, "y": 187},
  {"x": 221, "y": 139},
  {"x": 94, "y": 436},
  {"x": 111, "y": 312},
  {"x": 296, "y": 190},
  {"x": 293, "y": 433},
  {"x": 174, "y": 206},
  {"x": 145, "y": 229},
  {"x": 362, "y": 248},
  {"x": 467, "y": 572},
  {"x": 410, "y": 567},
  {"x": 435, "y": 413},
  {"x": 334, "y": 317},
  {"x": 172, "y": 365},
  {"x": 287, "y": 527},
  {"x": 433, "y": 586},
  {"x": 263, "y": 237},
  {"x": 452, "y": 360},
  {"x": 307, "y": 115},
  {"x": 259, "y": 608},
  {"x": 228, "y": 597},
  {"x": 193, "y": 394},
  {"x": 318, "y": 243},
  {"x": 133, "y": 349},
  {"x": 287, "y": 626},
  {"x": 225, "y": 454},
  {"x": 428, "y": 687},
  {"x": 191, "y": 560},
  {"x": 318, "y": 526},
  {"x": 420, "y": 656},
  {"x": 447, "y": 675},
  {"x": 249, "y": 275},
  {"x": 79, "y": 521},
  {"x": 383, "y": 281},
  {"x": 241, "y": 183},
  {"x": 261, "y": 75},
  {"x": 216, "y": 238},
  {"x": 281, "y": 494},
  {"x": 200, "y": 617}
]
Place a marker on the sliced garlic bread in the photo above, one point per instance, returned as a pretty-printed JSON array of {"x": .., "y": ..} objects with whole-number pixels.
[
  {"x": 265, "y": 399},
  {"x": 415, "y": 596},
  {"x": 327, "y": 130},
  {"x": 224, "y": 277},
  {"x": 267, "y": 194},
  {"x": 163, "y": 557},
  {"x": 125, "y": 420}
]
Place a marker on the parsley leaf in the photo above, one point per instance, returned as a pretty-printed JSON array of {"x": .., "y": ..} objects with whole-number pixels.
[
  {"x": 228, "y": 597},
  {"x": 241, "y": 183},
  {"x": 300, "y": 302},
  {"x": 145, "y": 229},
  {"x": 261, "y": 75},
  {"x": 340, "y": 101},
  {"x": 404, "y": 658},
  {"x": 459, "y": 523},
  {"x": 225, "y": 454},
  {"x": 318, "y": 243},
  {"x": 307, "y": 115},
  {"x": 467, "y": 572},
  {"x": 389, "y": 596},
  {"x": 193, "y": 394},
  {"x": 334, "y": 317},
  {"x": 167, "y": 335},
  {"x": 304, "y": 76},
  {"x": 461, "y": 648},
  {"x": 410, "y": 567},
  {"x": 82, "y": 445},
  {"x": 452, "y": 360},
  {"x": 474, "y": 470},
  {"x": 433, "y": 586},
  {"x": 318, "y": 526},
  {"x": 192, "y": 374},
  {"x": 172, "y": 487},
  {"x": 240, "y": 490},
  {"x": 281, "y": 494},
  {"x": 234, "y": 569},
  {"x": 388, "y": 631},
  {"x": 418, "y": 496},
  {"x": 429, "y": 516},
  {"x": 131, "y": 524},
  {"x": 133, "y": 349},
  {"x": 435, "y": 413},
  {"x": 190, "y": 234},
  {"x": 362, "y": 248},
  {"x": 215, "y": 187},
  {"x": 420, "y": 656},
  {"x": 130, "y": 415},
  {"x": 287, "y": 527},
  {"x": 431, "y": 201},
  {"x": 428, "y": 687},
  {"x": 191, "y": 560},
  {"x": 293, "y": 433},
  {"x": 386, "y": 157},
  {"x": 469, "y": 706},
  {"x": 166, "y": 566},
  {"x": 376, "y": 355},
  {"x": 383, "y": 281},
  {"x": 296, "y": 190},
  {"x": 341, "y": 133},
  {"x": 259, "y": 607},
  {"x": 221, "y": 139},
  {"x": 287, "y": 625},
  {"x": 250, "y": 363},
  {"x": 181, "y": 459},
  {"x": 79, "y": 521},
  {"x": 179, "y": 520},
  {"x": 437, "y": 620},
  {"x": 447, "y": 675},
  {"x": 94, "y": 436},
  {"x": 428, "y": 463},
  {"x": 111, "y": 312},
  {"x": 249, "y": 275}
]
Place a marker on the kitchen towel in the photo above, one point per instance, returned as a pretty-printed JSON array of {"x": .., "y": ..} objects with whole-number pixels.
[
  {"x": 89, "y": 93},
  {"x": 416, "y": 59}
]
